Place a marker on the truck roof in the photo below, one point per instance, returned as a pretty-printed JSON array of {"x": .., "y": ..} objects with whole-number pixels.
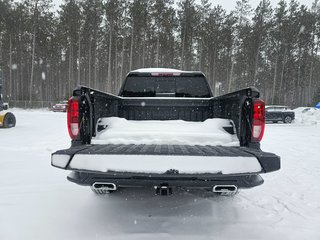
[{"x": 161, "y": 71}]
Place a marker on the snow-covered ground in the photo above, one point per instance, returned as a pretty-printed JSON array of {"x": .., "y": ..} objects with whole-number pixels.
[{"x": 37, "y": 202}]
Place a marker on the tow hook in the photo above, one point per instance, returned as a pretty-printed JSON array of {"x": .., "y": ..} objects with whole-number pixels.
[{"x": 163, "y": 190}]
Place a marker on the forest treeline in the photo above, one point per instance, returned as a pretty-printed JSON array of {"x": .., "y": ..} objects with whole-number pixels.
[{"x": 45, "y": 53}]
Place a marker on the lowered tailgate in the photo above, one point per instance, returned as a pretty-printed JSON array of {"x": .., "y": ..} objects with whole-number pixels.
[{"x": 161, "y": 159}]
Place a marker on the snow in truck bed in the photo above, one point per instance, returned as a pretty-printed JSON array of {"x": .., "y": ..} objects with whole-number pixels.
[{"x": 171, "y": 132}]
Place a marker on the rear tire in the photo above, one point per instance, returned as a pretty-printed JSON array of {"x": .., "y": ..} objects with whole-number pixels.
[
  {"x": 287, "y": 119},
  {"x": 9, "y": 120}
]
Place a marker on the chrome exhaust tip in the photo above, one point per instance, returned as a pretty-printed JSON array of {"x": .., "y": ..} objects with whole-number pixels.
[
  {"x": 104, "y": 186},
  {"x": 225, "y": 189}
]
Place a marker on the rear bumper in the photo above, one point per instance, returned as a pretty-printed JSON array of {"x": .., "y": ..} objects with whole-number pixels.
[{"x": 182, "y": 181}]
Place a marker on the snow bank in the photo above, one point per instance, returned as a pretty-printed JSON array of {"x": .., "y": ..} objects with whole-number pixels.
[
  {"x": 177, "y": 132},
  {"x": 307, "y": 115}
]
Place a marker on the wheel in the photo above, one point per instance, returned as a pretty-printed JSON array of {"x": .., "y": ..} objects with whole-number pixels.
[
  {"x": 9, "y": 120},
  {"x": 101, "y": 191},
  {"x": 287, "y": 119}
]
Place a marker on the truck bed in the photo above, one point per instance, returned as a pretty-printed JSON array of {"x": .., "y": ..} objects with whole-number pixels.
[{"x": 212, "y": 132}]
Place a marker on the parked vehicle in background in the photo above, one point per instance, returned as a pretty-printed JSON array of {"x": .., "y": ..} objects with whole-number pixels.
[
  {"x": 275, "y": 113},
  {"x": 60, "y": 107},
  {"x": 7, "y": 119}
]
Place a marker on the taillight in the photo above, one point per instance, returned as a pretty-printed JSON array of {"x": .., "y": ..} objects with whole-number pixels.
[
  {"x": 73, "y": 118},
  {"x": 258, "y": 120}
]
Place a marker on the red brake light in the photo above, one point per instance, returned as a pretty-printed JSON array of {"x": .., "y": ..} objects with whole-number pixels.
[
  {"x": 73, "y": 118},
  {"x": 258, "y": 120}
]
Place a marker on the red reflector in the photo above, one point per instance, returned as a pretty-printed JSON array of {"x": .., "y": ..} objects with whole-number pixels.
[
  {"x": 258, "y": 120},
  {"x": 73, "y": 118}
]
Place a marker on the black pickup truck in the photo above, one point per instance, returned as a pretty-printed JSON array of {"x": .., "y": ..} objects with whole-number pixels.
[{"x": 166, "y": 130}]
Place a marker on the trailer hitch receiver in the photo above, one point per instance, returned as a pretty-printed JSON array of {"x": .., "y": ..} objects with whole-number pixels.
[{"x": 163, "y": 190}]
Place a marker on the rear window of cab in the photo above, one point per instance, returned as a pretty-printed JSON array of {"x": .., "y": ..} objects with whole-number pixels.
[{"x": 166, "y": 86}]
